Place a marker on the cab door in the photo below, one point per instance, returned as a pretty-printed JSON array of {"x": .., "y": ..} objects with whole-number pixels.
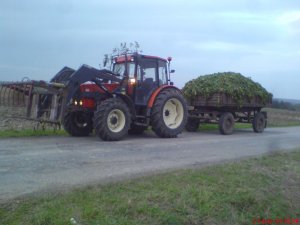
[{"x": 147, "y": 74}]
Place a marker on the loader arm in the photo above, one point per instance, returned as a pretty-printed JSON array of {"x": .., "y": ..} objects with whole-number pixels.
[
  {"x": 46, "y": 101},
  {"x": 86, "y": 73}
]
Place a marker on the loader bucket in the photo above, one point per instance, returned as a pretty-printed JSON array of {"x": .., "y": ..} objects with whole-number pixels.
[{"x": 39, "y": 101}]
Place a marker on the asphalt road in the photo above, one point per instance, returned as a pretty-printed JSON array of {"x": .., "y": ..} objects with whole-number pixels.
[{"x": 41, "y": 164}]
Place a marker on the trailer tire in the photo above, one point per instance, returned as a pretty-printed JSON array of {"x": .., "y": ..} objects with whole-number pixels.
[
  {"x": 259, "y": 123},
  {"x": 169, "y": 113},
  {"x": 226, "y": 123},
  {"x": 136, "y": 129},
  {"x": 78, "y": 124},
  {"x": 192, "y": 124},
  {"x": 112, "y": 119}
]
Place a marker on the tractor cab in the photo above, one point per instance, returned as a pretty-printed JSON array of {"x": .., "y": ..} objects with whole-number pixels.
[{"x": 145, "y": 74}]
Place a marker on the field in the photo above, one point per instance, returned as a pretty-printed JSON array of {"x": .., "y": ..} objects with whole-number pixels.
[
  {"x": 281, "y": 117},
  {"x": 245, "y": 192}
]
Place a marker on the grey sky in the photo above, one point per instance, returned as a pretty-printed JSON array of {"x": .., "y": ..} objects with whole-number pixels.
[{"x": 260, "y": 39}]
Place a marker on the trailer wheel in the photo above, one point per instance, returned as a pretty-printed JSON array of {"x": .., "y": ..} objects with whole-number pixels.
[
  {"x": 259, "y": 123},
  {"x": 112, "y": 119},
  {"x": 78, "y": 123},
  {"x": 136, "y": 129},
  {"x": 192, "y": 124},
  {"x": 226, "y": 123},
  {"x": 169, "y": 113}
]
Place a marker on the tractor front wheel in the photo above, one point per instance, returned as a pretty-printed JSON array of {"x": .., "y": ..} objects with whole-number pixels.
[
  {"x": 169, "y": 113},
  {"x": 112, "y": 119},
  {"x": 78, "y": 123}
]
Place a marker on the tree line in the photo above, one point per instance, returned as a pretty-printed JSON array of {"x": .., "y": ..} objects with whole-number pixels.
[{"x": 280, "y": 104}]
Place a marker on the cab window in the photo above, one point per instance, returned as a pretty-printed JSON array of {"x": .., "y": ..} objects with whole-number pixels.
[
  {"x": 162, "y": 73},
  {"x": 147, "y": 71},
  {"x": 119, "y": 68}
]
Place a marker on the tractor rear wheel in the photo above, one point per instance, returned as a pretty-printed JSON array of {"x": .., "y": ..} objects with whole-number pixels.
[
  {"x": 226, "y": 123},
  {"x": 78, "y": 123},
  {"x": 112, "y": 119},
  {"x": 136, "y": 129},
  {"x": 169, "y": 113},
  {"x": 192, "y": 124},
  {"x": 259, "y": 123}
]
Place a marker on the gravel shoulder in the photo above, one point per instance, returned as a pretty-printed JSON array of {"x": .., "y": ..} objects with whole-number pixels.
[{"x": 41, "y": 164}]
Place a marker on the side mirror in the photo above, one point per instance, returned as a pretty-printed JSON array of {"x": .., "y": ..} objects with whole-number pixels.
[
  {"x": 172, "y": 71},
  {"x": 171, "y": 83}
]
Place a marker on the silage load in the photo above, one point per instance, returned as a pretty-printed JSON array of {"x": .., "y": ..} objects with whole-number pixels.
[{"x": 233, "y": 84}]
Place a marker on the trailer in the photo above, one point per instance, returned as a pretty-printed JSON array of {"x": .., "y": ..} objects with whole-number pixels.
[{"x": 222, "y": 109}]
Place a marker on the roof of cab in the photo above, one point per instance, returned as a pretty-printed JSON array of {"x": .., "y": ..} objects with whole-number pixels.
[{"x": 130, "y": 57}]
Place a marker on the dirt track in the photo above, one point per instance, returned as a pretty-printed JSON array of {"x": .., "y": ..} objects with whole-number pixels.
[{"x": 39, "y": 164}]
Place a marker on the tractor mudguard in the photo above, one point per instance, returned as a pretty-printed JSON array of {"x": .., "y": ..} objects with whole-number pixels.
[{"x": 156, "y": 93}]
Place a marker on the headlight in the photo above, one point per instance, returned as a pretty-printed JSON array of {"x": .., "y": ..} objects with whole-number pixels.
[{"x": 132, "y": 80}]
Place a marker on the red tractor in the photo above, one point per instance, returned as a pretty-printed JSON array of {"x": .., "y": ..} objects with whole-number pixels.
[{"x": 135, "y": 94}]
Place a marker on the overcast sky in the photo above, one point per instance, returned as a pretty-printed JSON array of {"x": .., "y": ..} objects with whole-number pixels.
[{"x": 260, "y": 39}]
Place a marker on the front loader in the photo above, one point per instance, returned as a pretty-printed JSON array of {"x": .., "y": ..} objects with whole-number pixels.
[{"x": 135, "y": 94}]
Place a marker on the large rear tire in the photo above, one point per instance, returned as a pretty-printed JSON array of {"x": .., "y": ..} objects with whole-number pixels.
[
  {"x": 226, "y": 123},
  {"x": 169, "y": 113},
  {"x": 112, "y": 119},
  {"x": 192, "y": 124},
  {"x": 259, "y": 123},
  {"x": 78, "y": 123}
]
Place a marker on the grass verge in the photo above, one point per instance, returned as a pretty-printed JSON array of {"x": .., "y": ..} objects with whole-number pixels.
[
  {"x": 209, "y": 126},
  {"x": 234, "y": 193},
  {"x": 237, "y": 126},
  {"x": 31, "y": 133}
]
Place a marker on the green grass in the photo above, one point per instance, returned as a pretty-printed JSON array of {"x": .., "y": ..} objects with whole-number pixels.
[
  {"x": 233, "y": 193},
  {"x": 31, "y": 132},
  {"x": 209, "y": 126},
  {"x": 285, "y": 124}
]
